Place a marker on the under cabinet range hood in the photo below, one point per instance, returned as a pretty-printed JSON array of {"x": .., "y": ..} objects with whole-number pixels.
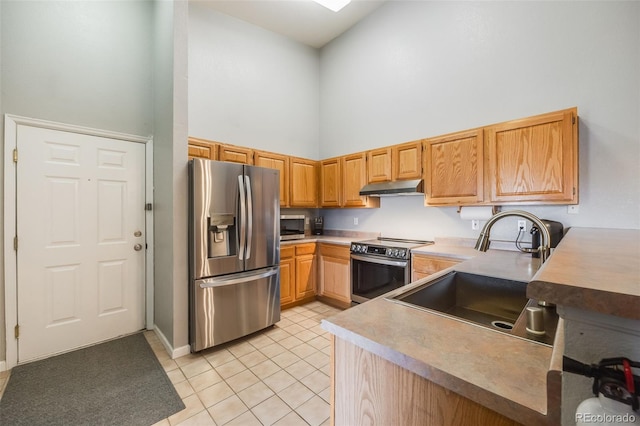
[{"x": 399, "y": 187}]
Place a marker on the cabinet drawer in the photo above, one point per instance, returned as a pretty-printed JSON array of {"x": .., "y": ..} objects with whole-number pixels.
[
  {"x": 334, "y": 250},
  {"x": 431, "y": 265},
  {"x": 309, "y": 248},
  {"x": 287, "y": 252}
]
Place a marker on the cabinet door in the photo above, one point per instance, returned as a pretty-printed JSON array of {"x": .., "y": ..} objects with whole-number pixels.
[
  {"x": 354, "y": 177},
  {"x": 201, "y": 148},
  {"x": 278, "y": 162},
  {"x": 304, "y": 182},
  {"x": 379, "y": 165},
  {"x": 287, "y": 281},
  {"x": 534, "y": 159},
  {"x": 406, "y": 161},
  {"x": 423, "y": 266},
  {"x": 330, "y": 183},
  {"x": 335, "y": 275},
  {"x": 235, "y": 154},
  {"x": 454, "y": 168},
  {"x": 305, "y": 276}
]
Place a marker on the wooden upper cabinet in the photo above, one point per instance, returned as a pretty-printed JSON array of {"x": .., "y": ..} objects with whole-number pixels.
[
  {"x": 303, "y": 178},
  {"x": 534, "y": 159},
  {"x": 235, "y": 154},
  {"x": 454, "y": 168},
  {"x": 341, "y": 180},
  {"x": 331, "y": 183},
  {"x": 354, "y": 177},
  {"x": 406, "y": 161},
  {"x": 278, "y": 162},
  {"x": 202, "y": 148},
  {"x": 397, "y": 162},
  {"x": 379, "y": 165}
]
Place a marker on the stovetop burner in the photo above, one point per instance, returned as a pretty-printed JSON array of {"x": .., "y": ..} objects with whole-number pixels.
[{"x": 396, "y": 248}]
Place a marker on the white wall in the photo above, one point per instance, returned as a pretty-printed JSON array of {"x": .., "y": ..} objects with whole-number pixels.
[
  {"x": 82, "y": 62},
  {"x": 170, "y": 173},
  {"x": 418, "y": 69},
  {"x": 86, "y": 63},
  {"x": 251, "y": 87}
]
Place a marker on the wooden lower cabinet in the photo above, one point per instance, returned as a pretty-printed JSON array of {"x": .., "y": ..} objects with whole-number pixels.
[
  {"x": 367, "y": 389},
  {"x": 298, "y": 274},
  {"x": 335, "y": 274},
  {"x": 423, "y": 266},
  {"x": 287, "y": 275}
]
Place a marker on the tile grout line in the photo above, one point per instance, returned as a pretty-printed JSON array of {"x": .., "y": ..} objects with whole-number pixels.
[{"x": 300, "y": 314}]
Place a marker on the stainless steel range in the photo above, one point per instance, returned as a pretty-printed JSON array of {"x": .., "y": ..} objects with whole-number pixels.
[{"x": 380, "y": 266}]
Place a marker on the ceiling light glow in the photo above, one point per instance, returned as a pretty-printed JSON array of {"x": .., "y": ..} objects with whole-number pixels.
[{"x": 334, "y": 5}]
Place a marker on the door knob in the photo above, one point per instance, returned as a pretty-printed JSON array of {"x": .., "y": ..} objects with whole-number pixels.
[
  {"x": 137, "y": 234},
  {"x": 137, "y": 247}
]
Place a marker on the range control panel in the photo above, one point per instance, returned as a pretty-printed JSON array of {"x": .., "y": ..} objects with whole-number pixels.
[{"x": 392, "y": 252}]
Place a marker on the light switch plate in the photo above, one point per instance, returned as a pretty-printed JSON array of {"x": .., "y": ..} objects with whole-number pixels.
[{"x": 573, "y": 209}]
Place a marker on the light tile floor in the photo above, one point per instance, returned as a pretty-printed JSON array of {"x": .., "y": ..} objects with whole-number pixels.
[{"x": 276, "y": 377}]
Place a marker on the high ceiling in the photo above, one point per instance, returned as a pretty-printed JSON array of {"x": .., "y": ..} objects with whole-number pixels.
[{"x": 301, "y": 20}]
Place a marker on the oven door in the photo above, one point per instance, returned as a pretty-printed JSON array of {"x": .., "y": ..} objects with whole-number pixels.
[{"x": 372, "y": 277}]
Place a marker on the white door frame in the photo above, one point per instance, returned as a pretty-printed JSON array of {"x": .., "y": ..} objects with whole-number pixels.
[{"x": 11, "y": 123}]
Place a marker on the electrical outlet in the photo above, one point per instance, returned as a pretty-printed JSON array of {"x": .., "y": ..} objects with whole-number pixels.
[
  {"x": 573, "y": 209},
  {"x": 475, "y": 224},
  {"x": 522, "y": 225},
  {"x": 355, "y": 220}
]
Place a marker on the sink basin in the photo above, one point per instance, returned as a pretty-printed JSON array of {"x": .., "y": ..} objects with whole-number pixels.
[{"x": 490, "y": 302}]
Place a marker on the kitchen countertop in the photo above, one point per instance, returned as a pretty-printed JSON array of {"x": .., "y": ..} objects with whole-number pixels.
[
  {"x": 497, "y": 370},
  {"x": 593, "y": 269},
  {"x": 332, "y": 239}
]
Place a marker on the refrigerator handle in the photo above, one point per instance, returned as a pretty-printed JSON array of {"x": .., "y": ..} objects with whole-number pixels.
[
  {"x": 243, "y": 217},
  {"x": 249, "y": 216},
  {"x": 238, "y": 278}
]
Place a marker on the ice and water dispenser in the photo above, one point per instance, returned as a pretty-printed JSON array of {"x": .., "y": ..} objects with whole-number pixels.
[{"x": 222, "y": 235}]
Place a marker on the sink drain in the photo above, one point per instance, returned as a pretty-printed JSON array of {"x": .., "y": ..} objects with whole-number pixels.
[{"x": 502, "y": 324}]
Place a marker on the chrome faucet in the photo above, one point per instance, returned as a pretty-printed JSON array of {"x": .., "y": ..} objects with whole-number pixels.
[{"x": 545, "y": 239}]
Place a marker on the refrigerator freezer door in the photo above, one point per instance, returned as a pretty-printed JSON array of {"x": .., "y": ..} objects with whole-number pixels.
[
  {"x": 226, "y": 308},
  {"x": 263, "y": 217}
]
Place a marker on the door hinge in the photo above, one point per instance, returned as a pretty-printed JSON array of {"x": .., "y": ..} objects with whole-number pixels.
[
  {"x": 148, "y": 207},
  {"x": 15, "y": 243},
  {"x": 15, "y": 155},
  {"x": 16, "y": 331},
  {"x": 573, "y": 120}
]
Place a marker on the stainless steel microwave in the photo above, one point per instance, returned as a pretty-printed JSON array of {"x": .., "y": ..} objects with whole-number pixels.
[{"x": 292, "y": 226}]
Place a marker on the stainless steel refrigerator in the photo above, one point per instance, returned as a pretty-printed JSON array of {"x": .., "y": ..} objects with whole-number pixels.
[{"x": 234, "y": 251}]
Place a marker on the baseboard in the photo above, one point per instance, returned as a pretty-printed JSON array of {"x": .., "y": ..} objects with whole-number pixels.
[
  {"x": 173, "y": 352},
  {"x": 3, "y": 365}
]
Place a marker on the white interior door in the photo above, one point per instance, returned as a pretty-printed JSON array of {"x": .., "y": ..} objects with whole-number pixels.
[{"x": 81, "y": 243}]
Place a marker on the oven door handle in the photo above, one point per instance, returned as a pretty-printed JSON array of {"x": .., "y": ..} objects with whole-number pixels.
[{"x": 400, "y": 263}]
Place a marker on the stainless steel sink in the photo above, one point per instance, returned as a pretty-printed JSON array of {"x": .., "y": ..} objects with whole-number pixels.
[{"x": 490, "y": 302}]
